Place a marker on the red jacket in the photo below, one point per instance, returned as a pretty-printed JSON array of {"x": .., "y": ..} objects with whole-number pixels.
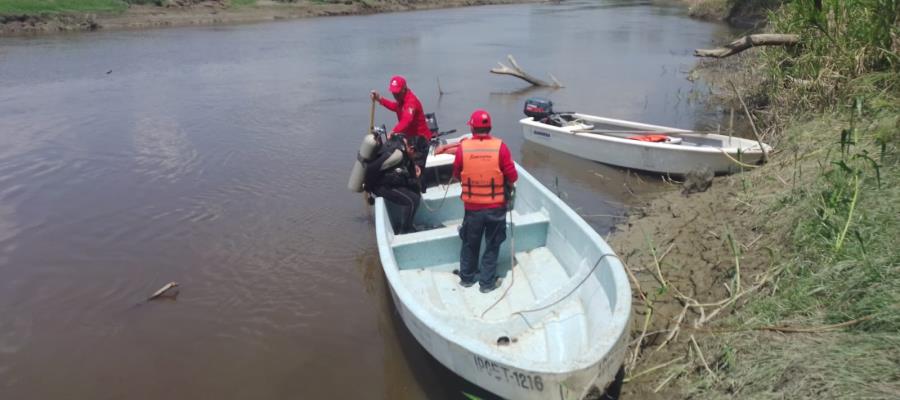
[
  {"x": 506, "y": 166},
  {"x": 410, "y": 116}
]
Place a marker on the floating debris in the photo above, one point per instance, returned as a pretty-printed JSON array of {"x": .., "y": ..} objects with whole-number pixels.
[{"x": 162, "y": 290}]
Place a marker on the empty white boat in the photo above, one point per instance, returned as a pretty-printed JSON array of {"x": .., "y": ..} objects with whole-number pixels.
[
  {"x": 613, "y": 141},
  {"x": 558, "y": 326}
]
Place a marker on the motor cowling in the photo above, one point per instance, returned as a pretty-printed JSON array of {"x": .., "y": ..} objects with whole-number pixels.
[{"x": 538, "y": 108}]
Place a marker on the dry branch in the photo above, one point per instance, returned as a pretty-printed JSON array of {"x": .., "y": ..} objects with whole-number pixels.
[
  {"x": 649, "y": 370},
  {"x": 813, "y": 329},
  {"x": 746, "y": 42},
  {"x": 703, "y": 358},
  {"x": 765, "y": 156},
  {"x": 518, "y": 72}
]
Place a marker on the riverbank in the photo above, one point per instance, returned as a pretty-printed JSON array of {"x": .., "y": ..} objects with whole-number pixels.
[
  {"x": 23, "y": 17},
  {"x": 741, "y": 13},
  {"x": 783, "y": 281}
]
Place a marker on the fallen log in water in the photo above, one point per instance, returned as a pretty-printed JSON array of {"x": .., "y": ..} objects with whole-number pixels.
[
  {"x": 518, "y": 72},
  {"x": 746, "y": 42}
]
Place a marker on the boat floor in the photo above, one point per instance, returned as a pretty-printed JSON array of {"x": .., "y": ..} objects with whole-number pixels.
[{"x": 536, "y": 275}]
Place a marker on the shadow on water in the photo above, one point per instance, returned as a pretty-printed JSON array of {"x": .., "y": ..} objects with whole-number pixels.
[
  {"x": 600, "y": 193},
  {"x": 404, "y": 356},
  {"x": 429, "y": 372}
]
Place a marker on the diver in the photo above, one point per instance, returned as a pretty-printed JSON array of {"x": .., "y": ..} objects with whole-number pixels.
[{"x": 393, "y": 175}]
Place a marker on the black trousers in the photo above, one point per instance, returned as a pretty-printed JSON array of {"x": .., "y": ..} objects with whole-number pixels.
[
  {"x": 406, "y": 200},
  {"x": 490, "y": 223}
]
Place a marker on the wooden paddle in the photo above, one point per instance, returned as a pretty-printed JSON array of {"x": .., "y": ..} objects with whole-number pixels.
[
  {"x": 370, "y": 132},
  {"x": 372, "y": 117},
  {"x": 616, "y": 132}
]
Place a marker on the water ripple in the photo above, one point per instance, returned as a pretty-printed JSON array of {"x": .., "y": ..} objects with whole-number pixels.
[{"x": 162, "y": 148}]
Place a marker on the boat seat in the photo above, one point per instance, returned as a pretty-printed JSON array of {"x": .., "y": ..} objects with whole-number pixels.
[
  {"x": 440, "y": 246},
  {"x": 425, "y": 236}
]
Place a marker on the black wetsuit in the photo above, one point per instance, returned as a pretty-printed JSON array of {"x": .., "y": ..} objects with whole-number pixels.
[{"x": 397, "y": 184}]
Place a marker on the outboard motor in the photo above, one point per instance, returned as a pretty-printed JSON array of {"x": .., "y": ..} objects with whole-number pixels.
[
  {"x": 538, "y": 108},
  {"x": 431, "y": 121}
]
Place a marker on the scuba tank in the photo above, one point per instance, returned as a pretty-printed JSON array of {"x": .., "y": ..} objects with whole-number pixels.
[
  {"x": 366, "y": 151},
  {"x": 393, "y": 160}
]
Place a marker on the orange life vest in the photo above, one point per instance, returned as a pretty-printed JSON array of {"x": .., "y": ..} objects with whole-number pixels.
[
  {"x": 650, "y": 138},
  {"x": 482, "y": 180}
]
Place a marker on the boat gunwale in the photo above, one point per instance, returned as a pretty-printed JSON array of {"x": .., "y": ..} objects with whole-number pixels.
[{"x": 731, "y": 150}]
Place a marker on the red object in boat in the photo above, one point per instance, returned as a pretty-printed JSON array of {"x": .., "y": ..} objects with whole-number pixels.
[{"x": 649, "y": 138}]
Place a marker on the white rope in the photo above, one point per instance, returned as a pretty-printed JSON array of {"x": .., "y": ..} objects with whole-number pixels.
[
  {"x": 446, "y": 191},
  {"x": 588, "y": 275}
]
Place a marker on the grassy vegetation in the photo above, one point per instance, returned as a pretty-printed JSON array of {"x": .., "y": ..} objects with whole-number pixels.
[
  {"x": 725, "y": 9},
  {"x": 38, "y": 7},
  {"x": 840, "y": 259},
  {"x": 840, "y": 265},
  {"x": 241, "y": 3},
  {"x": 708, "y": 9}
]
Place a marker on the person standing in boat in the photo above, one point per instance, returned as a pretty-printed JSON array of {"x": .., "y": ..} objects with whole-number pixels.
[
  {"x": 485, "y": 168},
  {"x": 392, "y": 175},
  {"x": 410, "y": 119}
]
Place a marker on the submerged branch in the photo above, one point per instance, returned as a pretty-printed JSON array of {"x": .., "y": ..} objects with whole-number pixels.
[{"x": 518, "y": 72}]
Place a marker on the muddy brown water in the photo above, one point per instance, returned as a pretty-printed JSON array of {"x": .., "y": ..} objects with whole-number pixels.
[{"x": 218, "y": 157}]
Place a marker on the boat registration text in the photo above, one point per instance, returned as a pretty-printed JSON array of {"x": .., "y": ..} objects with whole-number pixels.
[{"x": 500, "y": 372}]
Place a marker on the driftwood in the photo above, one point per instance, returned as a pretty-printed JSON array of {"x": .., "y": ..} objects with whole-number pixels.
[
  {"x": 746, "y": 42},
  {"x": 517, "y": 72},
  {"x": 162, "y": 290}
]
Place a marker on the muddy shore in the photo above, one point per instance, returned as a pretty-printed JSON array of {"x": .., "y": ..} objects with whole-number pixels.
[
  {"x": 214, "y": 13},
  {"x": 676, "y": 244},
  {"x": 687, "y": 248}
]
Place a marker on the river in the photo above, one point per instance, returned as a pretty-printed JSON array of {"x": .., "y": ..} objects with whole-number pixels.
[{"x": 218, "y": 157}]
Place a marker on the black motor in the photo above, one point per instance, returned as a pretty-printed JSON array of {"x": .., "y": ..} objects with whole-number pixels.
[
  {"x": 431, "y": 121},
  {"x": 538, "y": 108}
]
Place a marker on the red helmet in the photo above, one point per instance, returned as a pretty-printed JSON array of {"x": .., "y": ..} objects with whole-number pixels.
[
  {"x": 398, "y": 83},
  {"x": 480, "y": 119}
]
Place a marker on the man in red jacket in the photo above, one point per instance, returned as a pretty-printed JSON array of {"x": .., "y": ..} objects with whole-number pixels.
[
  {"x": 485, "y": 168},
  {"x": 410, "y": 118}
]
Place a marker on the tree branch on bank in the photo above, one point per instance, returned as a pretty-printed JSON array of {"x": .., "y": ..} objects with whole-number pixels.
[
  {"x": 746, "y": 42},
  {"x": 518, "y": 72}
]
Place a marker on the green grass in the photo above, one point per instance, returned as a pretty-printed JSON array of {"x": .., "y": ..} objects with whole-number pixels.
[
  {"x": 831, "y": 366},
  {"x": 842, "y": 41},
  {"x": 845, "y": 256},
  {"x": 38, "y": 7},
  {"x": 840, "y": 262},
  {"x": 840, "y": 256},
  {"x": 242, "y": 3}
]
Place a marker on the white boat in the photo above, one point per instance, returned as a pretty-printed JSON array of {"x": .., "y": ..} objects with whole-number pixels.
[
  {"x": 559, "y": 324},
  {"x": 608, "y": 141}
]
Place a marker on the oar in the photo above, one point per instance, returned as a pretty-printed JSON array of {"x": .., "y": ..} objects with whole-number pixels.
[
  {"x": 370, "y": 132},
  {"x": 372, "y": 117},
  {"x": 616, "y": 132}
]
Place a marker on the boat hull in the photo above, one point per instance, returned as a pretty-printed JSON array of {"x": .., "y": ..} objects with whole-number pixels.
[
  {"x": 510, "y": 377},
  {"x": 507, "y": 381},
  {"x": 661, "y": 158}
]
